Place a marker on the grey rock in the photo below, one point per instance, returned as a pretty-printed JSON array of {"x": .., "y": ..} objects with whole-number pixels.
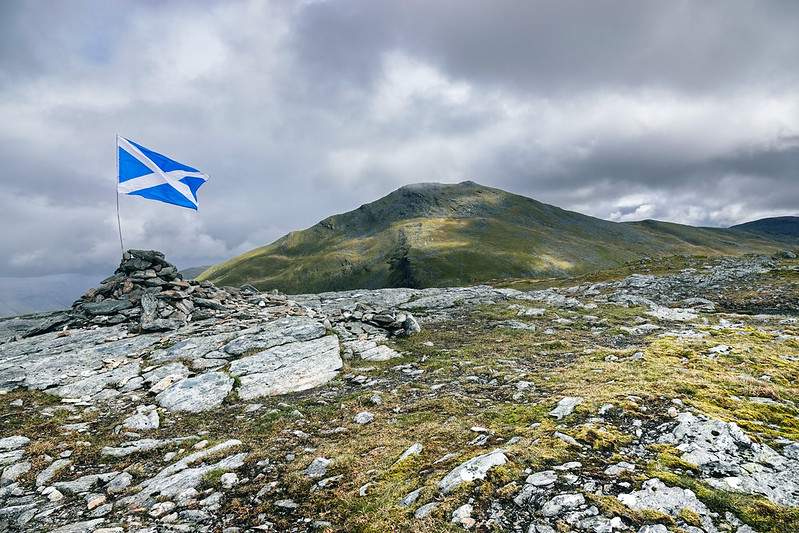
[
  {"x": 119, "y": 483},
  {"x": 145, "y": 419},
  {"x": 562, "y": 502},
  {"x": 318, "y": 468},
  {"x": 289, "y": 505},
  {"x": 44, "y": 477},
  {"x": 411, "y": 325},
  {"x": 194, "y": 347},
  {"x": 791, "y": 450},
  {"x": 414, "y": 449},
  {"x": 229, "y": 480},
  {"x": 655, "y": 528},
  {"x": 571, "y": 441},
  {"x": 463, "y": 516},
  {"x": 656, "y": 495},
  {"x": 210, "y": 304},
  {"x": 553, "y": 298},
  {"x": 13, "y": 472},
  {"x": 51, "y": 360},
  {"x": 13, "y": 442},
  {"x": 275, "y": 333},
  {"x": 149, "y": 314},
  {"x": 287, "y": 368},
  {"x": 84, "y": 483},
  {"x": 162, "y": 508},
  {"x": 10, "y": 457},
  {"x": 425, "y": 510},
  {"x": 618, "y": 468},
  {"x": 729, "y": 460},
  {"x": 475, "y": 468},
  {"x": 515, "y": 324},
  {"x": 52, "y": 494},
  {"x": 542, "y": 479},
  {"x": 93, "y": 385},
  {"x": 197, "y": 394},
  {"x": 182, "y": 476},
  {"x": 161, "y": 324},
  {"x": 364, "y": 417},
  {"x": 176, "y": 370},
  {"x": 410, "y": 498},
  {"x": 371, "y": 351},
  {"x": 47, "y": 325},
  {"x": 86, "y": 526},
  {"x": 672, "y": 314},
  {"x": 565, "y": 407},
  {"x": 106, "y": 307}
]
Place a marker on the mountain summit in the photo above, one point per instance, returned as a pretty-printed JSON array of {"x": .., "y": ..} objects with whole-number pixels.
[{"x": 433, "y": 234}]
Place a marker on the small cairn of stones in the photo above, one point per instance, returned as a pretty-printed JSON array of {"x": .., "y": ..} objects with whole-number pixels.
[
  {"x": 396, "y": 322},
  {"x": 149, "y": 292}
]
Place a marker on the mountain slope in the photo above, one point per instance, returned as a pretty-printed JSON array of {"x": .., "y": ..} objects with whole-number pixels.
[
  {"x": 432, "y": 234},
  {"x": 779, "y": 227}
]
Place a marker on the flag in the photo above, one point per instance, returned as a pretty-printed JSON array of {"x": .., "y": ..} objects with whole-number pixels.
[{"x": 148, "y": 174}]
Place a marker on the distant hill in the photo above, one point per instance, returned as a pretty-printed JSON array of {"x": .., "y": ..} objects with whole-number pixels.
[
  {"x": 193, "y": 272},
  {"x": 433, "y": 234},
  {"x": 774, "y": 227},
  {"x": 20, "y": 296}
]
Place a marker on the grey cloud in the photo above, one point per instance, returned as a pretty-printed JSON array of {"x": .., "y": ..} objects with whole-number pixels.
[{"x": 543, "y": 46}]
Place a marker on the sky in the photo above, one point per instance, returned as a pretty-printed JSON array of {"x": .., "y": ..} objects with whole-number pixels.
[{"x": 686, "y": 111}]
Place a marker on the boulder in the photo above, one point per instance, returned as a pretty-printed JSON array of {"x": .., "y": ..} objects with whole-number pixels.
[
  {"x": 197, "y": 394},
  {"x": 475, "y": 468},
  {"x": 287, "y": 368}
]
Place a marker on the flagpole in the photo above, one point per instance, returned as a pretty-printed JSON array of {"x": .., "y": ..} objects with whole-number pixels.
[{"x": 119, "y": 223}]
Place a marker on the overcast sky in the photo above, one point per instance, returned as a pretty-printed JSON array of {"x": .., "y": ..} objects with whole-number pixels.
[{"x": 676, "y": 110}]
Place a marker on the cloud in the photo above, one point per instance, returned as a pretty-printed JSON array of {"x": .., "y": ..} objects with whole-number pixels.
[{"x": 684, "y": 111}]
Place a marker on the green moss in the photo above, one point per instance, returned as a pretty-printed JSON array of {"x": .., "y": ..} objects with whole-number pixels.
[
  {"x": 690, "y": 517},
  {"x": 212, "y": 478},
  {"x": 668, "y": 458},
  {"x": 606, "y": 439}
]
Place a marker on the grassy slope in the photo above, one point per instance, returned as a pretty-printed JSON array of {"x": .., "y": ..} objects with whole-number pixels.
[
  {"x": 446, "y": 235},
  {"x": 776, "y": 227}
]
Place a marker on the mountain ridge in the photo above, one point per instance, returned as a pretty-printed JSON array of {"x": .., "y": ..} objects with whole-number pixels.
[
  {"x": 787, "y": 226},
  {"x": 433, "y": 234}
]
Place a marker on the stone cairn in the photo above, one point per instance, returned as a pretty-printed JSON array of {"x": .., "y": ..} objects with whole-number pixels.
[
  {"x": 149, "y": 292},
  {"x": 356, "y": 322}
]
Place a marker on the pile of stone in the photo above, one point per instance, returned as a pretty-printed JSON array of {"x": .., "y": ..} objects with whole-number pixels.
[
  {"x": 396, "y": 322},
  {"x": 148, "y": 292}
]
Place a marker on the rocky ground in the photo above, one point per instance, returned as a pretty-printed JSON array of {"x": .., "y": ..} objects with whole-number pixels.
[{"x": 659, "y": 397}]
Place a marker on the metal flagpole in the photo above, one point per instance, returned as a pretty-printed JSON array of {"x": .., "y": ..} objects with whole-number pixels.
[{"x": 119, "y": 223}]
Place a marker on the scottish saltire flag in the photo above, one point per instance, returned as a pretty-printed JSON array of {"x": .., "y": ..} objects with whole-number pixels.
[{"x": 149, "y": 174}]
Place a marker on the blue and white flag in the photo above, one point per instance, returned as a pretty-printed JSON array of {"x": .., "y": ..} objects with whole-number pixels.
[{"x": 149, "y": 174}]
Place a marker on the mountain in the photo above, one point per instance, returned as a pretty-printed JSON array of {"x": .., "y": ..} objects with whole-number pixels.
[
  {"x": 193, "y": 272},
  {"x": 779, "y": 227},
  {"x": 433, "y": 234},
  {"x": 42, "y": 293}
]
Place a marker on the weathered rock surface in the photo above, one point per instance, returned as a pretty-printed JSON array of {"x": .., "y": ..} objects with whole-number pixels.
[
  {"x": 125, "y": 451},
  {"x": 196, "y": 394},
  {"x": 657, "y": 496},
  {"x": 730, "y": 460},
  {"x": 565, "y": 406},
  {"x": 475, "y": 468},
  {"x": 287, "y": 368}
]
